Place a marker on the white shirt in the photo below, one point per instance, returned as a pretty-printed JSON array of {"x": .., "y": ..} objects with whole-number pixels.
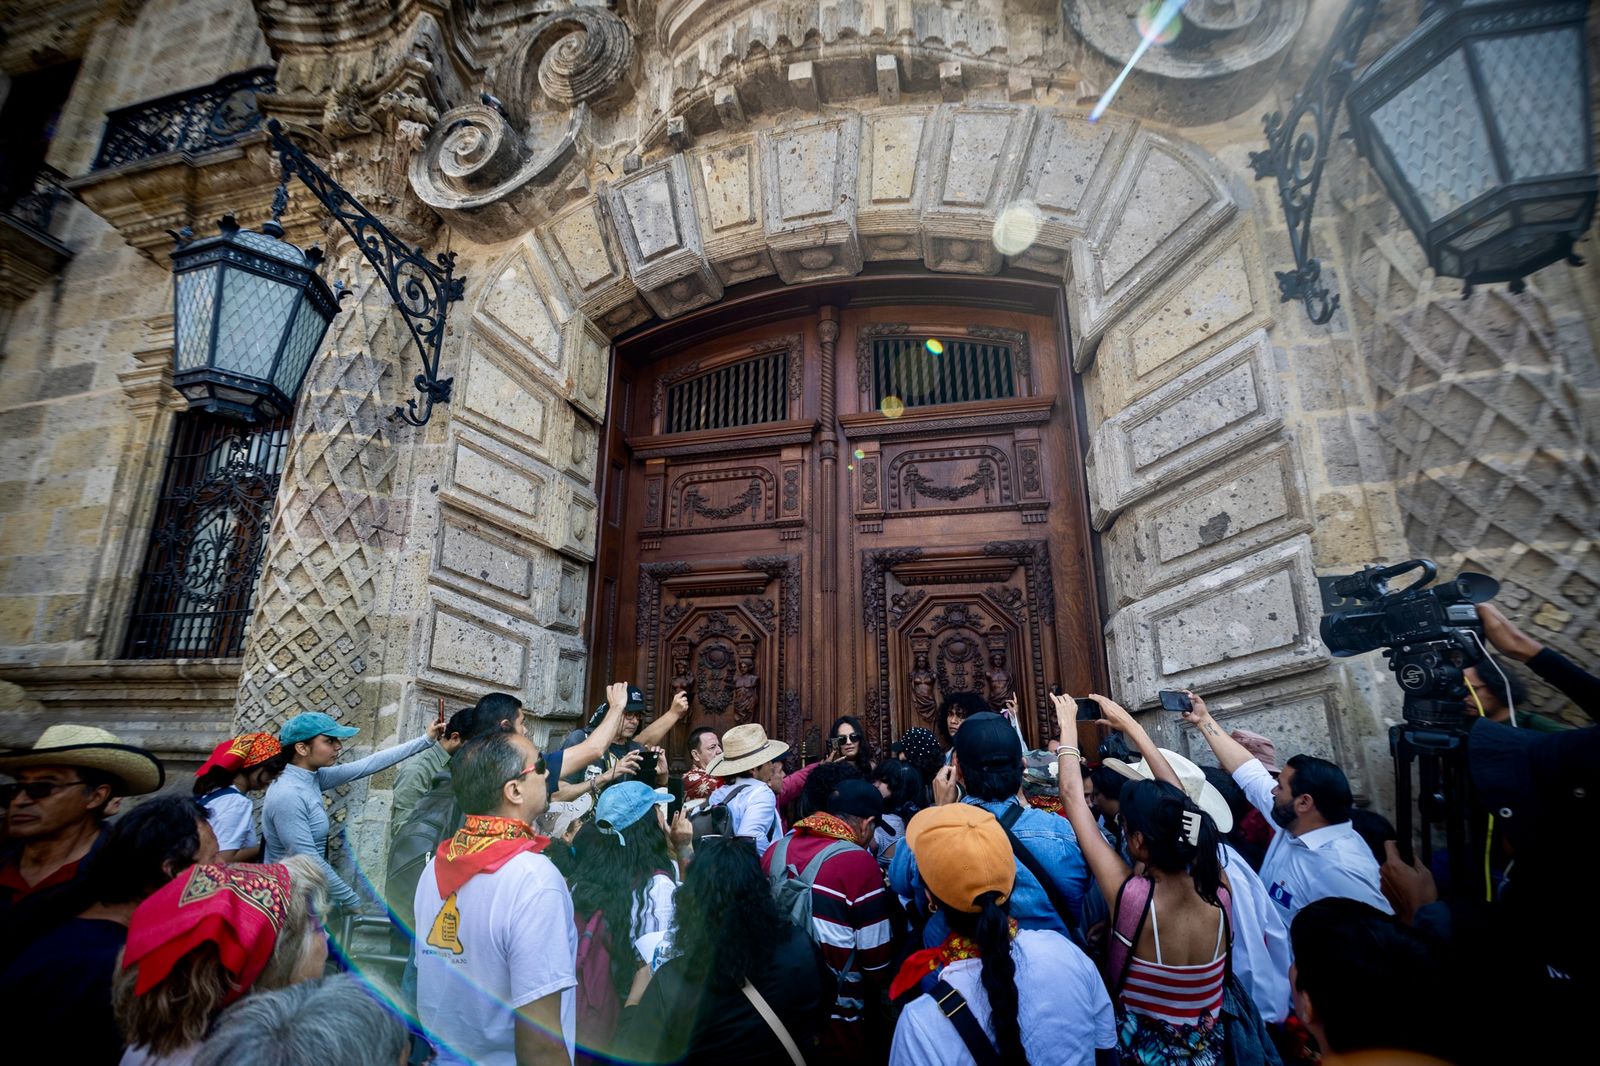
[
  {"x": 1062, "y": 1008},
  {"x": 1261, "y": 955},
  {"x": 1331, "y": 861},
  {"x": 754, "y": 811},
  {"x": 518, "y": 944},
  {"x": 232, "y": 818}
]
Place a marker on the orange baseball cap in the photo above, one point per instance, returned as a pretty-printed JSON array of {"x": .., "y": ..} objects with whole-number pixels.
[{"x": 962, "y": 853}]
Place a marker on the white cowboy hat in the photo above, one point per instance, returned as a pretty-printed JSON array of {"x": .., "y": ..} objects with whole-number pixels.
[
  {"x": 1195, "y": 785},
  {"x": 745, "y": 747},
  {"x": 93, "y": 749}
]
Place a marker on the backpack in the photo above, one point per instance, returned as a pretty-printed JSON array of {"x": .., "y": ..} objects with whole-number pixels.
[
  {"x": 434, "y": 819},
  {"x": 793, "y": 893},
  {"x": 716, "y": 819},
  {"x": 598, "y": 1005}
]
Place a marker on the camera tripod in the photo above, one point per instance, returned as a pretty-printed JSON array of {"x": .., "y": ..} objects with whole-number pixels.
[{"x": 1434, "y": 737}]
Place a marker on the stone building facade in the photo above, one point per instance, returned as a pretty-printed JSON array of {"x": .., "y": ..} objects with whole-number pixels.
[{"x": 603, "y": 171}]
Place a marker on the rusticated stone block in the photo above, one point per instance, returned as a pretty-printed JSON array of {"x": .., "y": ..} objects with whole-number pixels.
[
  {"x": 1252, "y": 620},
  {"x": 587, "y": 259},
  {"x": 977, "y": 156},
  {"x": 1252, "y": 501},
  {"x": 1300, "y": 716},
  {"x": 894, "y": 147},
  {"x": 809, "y": 173},
  {"x": 1210, "y": 412},
  {"x": 504, "y": 402},
  {"x": 486, "y": 565},
  {"x": 1070, "y": 165},
  {"x": 728, "y": 199},
  {"x": 654, "y": 212},
  {"x": 588, "y": 353}
]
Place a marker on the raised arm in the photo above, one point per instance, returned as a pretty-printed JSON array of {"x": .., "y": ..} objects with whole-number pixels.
[
  {"x": 655, "y": 734},
  {"x": 344, "y": 773},
  {"x": 593, "y": 746},
  {"x": 1106, "y": 865},
  {"x": 1576, "y": 683},
  {"x": 1119, "y": 719},
  {"x": 1229, "y": 752}
]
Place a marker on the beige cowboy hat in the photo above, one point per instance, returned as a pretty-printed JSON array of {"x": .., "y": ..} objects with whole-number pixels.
[
  {"x": 745, "y": 747},
  {"x": 93, "y": 749},
  {"x": 1193, "y": 779}
]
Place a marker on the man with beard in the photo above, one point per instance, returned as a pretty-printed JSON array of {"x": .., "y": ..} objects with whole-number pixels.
[{"x": 1315, "y": 852}]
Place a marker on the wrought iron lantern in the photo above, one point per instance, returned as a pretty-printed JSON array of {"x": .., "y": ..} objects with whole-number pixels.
[
  {"x": 249, "y": 312},
  {"x": 1478, "y": 126}
]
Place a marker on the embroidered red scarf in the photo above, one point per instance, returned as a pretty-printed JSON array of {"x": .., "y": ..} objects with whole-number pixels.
[
  {"x": 823, "y": 824},
  {"x": 482, "y": 846},
  {"x": 920, "y": 964}
]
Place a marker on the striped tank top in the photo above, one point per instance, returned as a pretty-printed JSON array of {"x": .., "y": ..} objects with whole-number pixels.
[{"x": 1179, "y": 995}]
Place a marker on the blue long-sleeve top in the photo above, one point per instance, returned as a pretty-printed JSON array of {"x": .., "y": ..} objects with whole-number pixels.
[{"x": 294, "y": 821}]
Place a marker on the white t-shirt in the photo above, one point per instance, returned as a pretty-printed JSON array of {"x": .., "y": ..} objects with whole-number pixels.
[
  {"x": 1062, "y": 1008},
  {"x": 754, "y": 810},
  {"x": 232, "y": 818},
  {"x": 517, "y": 944},
  {"x": 1261, "y": 955},
  {"x": 1331, "y": 861}
]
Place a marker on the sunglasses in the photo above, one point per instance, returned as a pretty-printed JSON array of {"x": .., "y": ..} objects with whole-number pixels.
[
  {"x": 848, "y": 738},
  {"x": 34, "y": 790},
  {"x": 538, "y": 767}
]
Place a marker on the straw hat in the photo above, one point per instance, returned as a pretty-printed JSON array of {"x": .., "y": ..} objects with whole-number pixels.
[
  {"x": 1193, "y": 779},
  {"x": 745, "y": 747},
  {"x": 93, "y": 749}
]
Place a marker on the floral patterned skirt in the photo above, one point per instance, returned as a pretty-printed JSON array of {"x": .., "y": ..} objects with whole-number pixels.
[{"x": 1152, "y": 1042}]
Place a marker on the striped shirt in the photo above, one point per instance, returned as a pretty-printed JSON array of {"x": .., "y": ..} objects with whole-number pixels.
[
  {"x": 850, "y": 913},
  {"x": 1179, "y": 995}
]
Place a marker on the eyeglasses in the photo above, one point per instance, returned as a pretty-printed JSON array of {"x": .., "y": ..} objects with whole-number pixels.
[
  {"x": 34, "y": 790},
  {"x": 848, "y": 738},
  {"x": 538, "y": 767}
]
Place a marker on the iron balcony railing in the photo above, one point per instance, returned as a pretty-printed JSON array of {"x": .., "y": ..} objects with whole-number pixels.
[
  {"x": 195, "y": 120},
  {"x": 35, "y": 208}
]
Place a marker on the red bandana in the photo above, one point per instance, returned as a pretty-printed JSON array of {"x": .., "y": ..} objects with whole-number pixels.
[
  {"x": 482, "y": 846},
  {"x": 241, "y": 753},
  {"x": 823, "y": 824},
  {"x": 920, "y": 964},
  {"x": 239, "y": 907},
  {"x": 1052, "y": 804}
]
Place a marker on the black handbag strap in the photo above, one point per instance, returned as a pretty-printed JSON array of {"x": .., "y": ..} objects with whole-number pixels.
[
  {"x": 1013, "y": 811},
  {"x": 953, "y": 1005}
]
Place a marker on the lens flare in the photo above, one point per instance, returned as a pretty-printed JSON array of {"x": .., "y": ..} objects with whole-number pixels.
[
  {"x": 934, "y": 345},
  {"x": 860, "y": 454},
  {"x": 892, "y": 407},
  {"x": 1017, "y": 227},
  {"x": 1152, "y": 29}
]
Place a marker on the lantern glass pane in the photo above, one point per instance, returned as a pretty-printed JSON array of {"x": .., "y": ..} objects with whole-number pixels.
[
  {"x": 255, "y": 312},
  {"x": 195, "y": 307},
  {"x": 305, "y": 337},
  {"x": 1553, "y": 210},
  {"x": 1534, "y": 86},
  {"x": 1489, "y": 227},
  {"x": 1438, "y": 137}
]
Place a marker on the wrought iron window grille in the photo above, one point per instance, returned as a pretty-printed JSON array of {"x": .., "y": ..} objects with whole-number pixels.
[
  {"x": 36, "y": 209},
  {"x": 208, "y": 539},
  {"x": 747, "y": 393},
  {"x": 195, "y": 120},
  {"x": 963, "y": 371}
]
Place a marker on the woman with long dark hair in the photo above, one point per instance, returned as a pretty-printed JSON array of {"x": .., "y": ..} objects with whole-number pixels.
[
  {"x": 625, "y": 872},
  {"x": 1170, "y": 932},
  {"x": 849, "y": 740},
  {"x": 1003, "y": 994},
  {"x": 903, "y": 796},
  {"x": 728, "y": 933},
  {"x": 237, "y": 767}
]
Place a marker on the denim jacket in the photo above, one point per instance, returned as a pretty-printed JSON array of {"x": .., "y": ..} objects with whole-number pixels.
[{"x": 1053, "y": 843}]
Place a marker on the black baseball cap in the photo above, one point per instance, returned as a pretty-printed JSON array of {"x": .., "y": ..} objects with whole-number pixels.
[
  {"x": 855, "y": 797},
  {"x": 987, "y": 741},
  {"x": 635, "y": 705}
]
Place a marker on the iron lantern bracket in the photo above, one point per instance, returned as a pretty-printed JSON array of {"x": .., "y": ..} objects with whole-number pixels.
[
  {"x": 420, "y": 289},
  {"x": 1297, "y": 150}
]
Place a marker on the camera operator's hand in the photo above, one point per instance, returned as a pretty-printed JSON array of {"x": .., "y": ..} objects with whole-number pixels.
[
  {"x": 1503, "y": 634},
  {"x": 945, "y": 789},
  {"x": 680, "y": 704},
  {"x": 626, "y": 766},
  {"x": 1407, "y": 886}
]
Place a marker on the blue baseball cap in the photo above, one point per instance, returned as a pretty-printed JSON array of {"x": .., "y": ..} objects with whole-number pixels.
[
  {"x": 313, "y": 724},
  {"x": 623, "y": 804}
]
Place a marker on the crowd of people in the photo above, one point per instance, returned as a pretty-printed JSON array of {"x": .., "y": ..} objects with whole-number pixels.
[{"x": 956, "y": 899}]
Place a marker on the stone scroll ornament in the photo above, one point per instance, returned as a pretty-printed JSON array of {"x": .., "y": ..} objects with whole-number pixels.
[{"x": 495, "y": 159}]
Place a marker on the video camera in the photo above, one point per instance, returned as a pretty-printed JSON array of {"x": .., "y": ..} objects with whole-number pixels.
[{"x": 1429, "y": 635}]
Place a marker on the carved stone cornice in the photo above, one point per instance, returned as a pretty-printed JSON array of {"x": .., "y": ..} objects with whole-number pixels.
[
  {"x": 42, "y": 33},
  {"x": 29, "y": 258}
]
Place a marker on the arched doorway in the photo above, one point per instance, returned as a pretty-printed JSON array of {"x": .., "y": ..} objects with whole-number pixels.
[{"x": 849, "y": 498}]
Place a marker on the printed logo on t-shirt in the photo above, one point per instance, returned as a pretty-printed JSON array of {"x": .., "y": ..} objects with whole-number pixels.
[
  {"x": 1281, "y": 896},
  {"x": 446, "y": 931}
]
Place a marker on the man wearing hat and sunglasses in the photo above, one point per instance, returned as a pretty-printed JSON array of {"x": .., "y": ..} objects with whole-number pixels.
[{"x": 55, "y": 816}]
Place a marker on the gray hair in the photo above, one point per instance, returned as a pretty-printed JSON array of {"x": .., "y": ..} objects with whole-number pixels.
[{"x": 330, "y": 1020}]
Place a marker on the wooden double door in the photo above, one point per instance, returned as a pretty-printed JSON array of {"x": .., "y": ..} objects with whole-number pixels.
[{"x": 848, "y": 512}]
